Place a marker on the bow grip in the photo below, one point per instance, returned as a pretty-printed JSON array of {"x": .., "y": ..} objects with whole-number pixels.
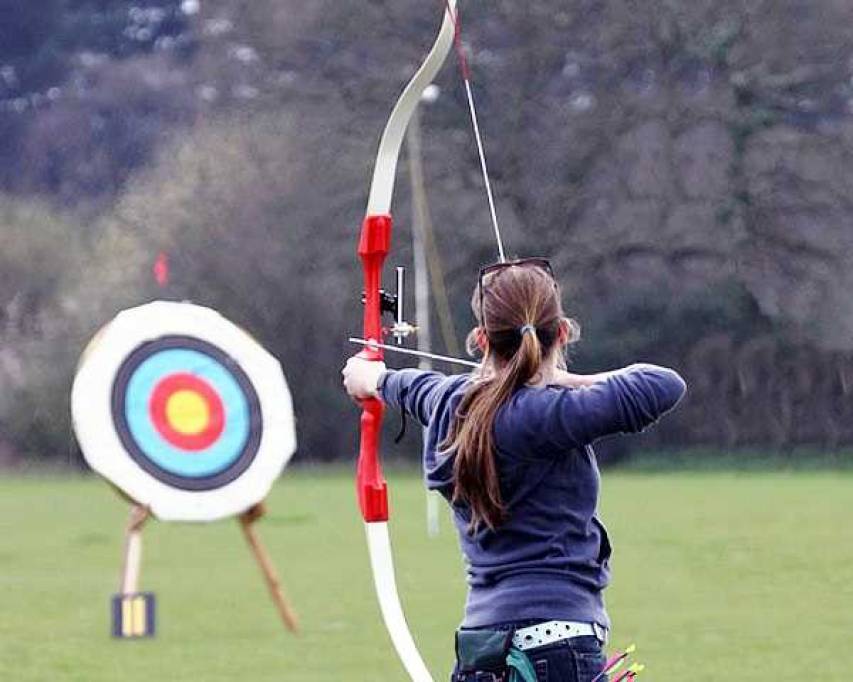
[{"x": 372, "y": 488}]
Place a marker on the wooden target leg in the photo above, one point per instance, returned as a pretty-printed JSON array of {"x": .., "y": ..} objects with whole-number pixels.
[
  {"x": 285, "y": 610},
  {"x": 133, "y": 612},
  {"x": 133, "y": 549}
]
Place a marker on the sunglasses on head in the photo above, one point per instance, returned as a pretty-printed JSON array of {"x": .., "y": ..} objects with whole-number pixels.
[{"x": 494, "y": 268}]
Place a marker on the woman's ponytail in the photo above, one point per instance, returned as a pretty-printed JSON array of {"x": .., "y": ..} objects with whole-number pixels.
[
  {"x": 529, "y": 355},
  {"x": 523, "y": 315}
]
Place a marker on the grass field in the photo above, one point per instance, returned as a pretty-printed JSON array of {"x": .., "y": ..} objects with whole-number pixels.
[{"x": 716, "y": 577}]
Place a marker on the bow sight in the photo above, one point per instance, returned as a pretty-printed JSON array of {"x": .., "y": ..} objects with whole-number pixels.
[{"x": 394, "y": 305}]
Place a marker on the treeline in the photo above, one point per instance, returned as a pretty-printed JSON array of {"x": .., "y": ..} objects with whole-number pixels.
[{"x": 687, "y": 167}]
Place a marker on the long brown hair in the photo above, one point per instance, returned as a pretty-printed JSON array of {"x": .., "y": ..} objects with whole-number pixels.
[{"x": 518, "y": 309}]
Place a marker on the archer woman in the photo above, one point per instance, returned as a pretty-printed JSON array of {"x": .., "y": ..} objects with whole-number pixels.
[{"x": 509, "y": 447}]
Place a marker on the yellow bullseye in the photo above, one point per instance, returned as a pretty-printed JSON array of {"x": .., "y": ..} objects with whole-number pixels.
[{"x": 187, "y": 412}]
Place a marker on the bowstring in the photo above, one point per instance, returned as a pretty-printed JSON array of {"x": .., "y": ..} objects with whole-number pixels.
[{"x": 465, "y": 69}]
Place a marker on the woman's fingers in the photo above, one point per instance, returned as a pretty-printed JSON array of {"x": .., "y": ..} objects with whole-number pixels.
[
  {"x": 347, "y": 373},
  {"x": 361, "y": 376}
]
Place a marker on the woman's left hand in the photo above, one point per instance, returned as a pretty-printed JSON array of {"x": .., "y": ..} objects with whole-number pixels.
[{"x": 361, "y": 377}]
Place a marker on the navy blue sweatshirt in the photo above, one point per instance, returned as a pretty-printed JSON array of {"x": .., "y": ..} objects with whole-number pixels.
[{"x": 550, "y": 559}]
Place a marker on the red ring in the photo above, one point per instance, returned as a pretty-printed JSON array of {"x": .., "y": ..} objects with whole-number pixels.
[{"x": 167, "y": 387}]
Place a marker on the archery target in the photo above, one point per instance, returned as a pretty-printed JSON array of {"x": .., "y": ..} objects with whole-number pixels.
[{"x": 183, "y": 411}]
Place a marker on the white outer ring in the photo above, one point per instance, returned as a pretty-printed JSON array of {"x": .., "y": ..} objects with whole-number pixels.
[{"x": 93, "y": 422}]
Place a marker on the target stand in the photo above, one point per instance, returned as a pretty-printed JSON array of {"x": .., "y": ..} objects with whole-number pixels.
[
  {"x": 192, "y": 420},
  {"x": 134, "y": 613}
]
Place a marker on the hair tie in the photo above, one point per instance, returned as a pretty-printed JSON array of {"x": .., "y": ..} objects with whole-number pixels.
[{"x": 527, "y": 328}]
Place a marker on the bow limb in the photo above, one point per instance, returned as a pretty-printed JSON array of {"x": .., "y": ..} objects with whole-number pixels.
[
  {"x": 374, "y": 245},
  {"x": 385, "y": 170}
]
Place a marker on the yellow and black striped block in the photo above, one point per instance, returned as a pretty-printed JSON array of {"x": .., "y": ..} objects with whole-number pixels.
[{"x": 134, "y": 615}]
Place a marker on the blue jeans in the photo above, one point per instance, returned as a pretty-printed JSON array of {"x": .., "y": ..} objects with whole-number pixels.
[{"x": 579, "y": 659}]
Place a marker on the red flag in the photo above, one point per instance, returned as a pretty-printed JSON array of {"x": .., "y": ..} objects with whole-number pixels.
[{"x": 161, "y": 269}]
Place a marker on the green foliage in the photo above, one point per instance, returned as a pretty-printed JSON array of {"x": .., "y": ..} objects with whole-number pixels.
[
  {"x": 37, "y": 247},
  {"x": 645, "y": 325},
  {"x": 40, "y": 39},
  {"x": 686, "y": 167},
  {"x": 39, "y": 251},
  {"x": 84, "y": 86}
]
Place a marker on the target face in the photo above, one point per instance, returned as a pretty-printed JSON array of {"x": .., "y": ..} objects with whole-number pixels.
[
  {"x": 186, "y": 413},
  {"x": 183, "y": 411}
]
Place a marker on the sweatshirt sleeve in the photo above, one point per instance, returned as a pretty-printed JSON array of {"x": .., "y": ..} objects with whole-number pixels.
[
  {"x": 628, "y": 401},
  {"x": 412, "y": 390}
]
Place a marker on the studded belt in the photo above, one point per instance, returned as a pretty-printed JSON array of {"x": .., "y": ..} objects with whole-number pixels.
[{"x": 552, "y": 631}]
